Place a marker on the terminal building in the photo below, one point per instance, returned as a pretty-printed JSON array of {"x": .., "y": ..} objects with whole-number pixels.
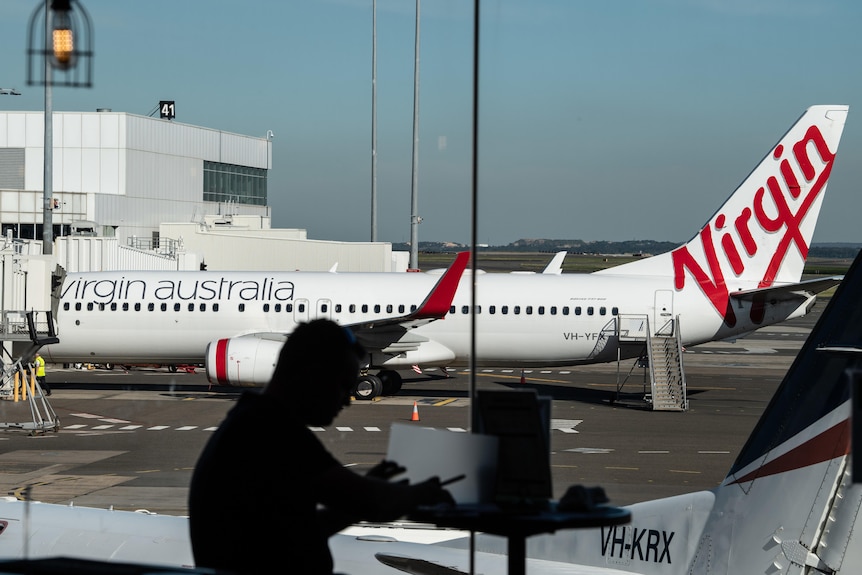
[
  {"x": 138, "y": 192},
  {"x": 126, "y": 173},
  {"x": 132, "y": 192}
]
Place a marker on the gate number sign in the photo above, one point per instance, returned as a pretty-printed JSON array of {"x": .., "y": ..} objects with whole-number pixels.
[{"x": 167, "y": 109}]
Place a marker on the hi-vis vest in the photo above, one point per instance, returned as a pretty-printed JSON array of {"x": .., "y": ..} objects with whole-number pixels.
[{"x": 40, "y": 366}]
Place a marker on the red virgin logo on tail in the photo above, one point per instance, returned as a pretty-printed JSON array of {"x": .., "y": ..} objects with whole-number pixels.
[{"x": 772, "y": 195}]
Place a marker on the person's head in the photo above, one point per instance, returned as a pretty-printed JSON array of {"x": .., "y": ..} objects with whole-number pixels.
[{"x": 317, "y": 370}]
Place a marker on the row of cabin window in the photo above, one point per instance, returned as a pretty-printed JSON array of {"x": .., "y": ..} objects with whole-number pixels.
[
  {"x": 539, "y": 310},
  {"x": 137, "y": 306},
  {"x": 324, "y": 308}
]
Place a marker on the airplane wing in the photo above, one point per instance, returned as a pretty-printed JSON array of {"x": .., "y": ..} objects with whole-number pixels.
[
  {"x": 393, "y": 335},
  {"x": 789, "y": 292},
  {"x": 434, "y": 307}
]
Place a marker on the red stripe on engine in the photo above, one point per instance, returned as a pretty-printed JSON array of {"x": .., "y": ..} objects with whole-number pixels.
[
  {"x": 832, "y": 443},
  {"x": 221, "y": 362}
]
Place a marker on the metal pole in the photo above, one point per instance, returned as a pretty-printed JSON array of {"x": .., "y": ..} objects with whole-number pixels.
[
  {"x": 474, "y": 194},
  {"x": 414, "y": 208},
  {"x": 474, "y": 224},
  {"x": 48, "y": 168},
  {"x": 374, "y": 120}
]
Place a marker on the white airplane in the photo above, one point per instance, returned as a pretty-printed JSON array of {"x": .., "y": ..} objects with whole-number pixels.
[
  {"x": 741, "y": 271},
  {"x": 789, "y": 504}
]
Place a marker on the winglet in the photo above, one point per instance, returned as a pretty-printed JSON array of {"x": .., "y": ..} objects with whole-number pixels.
[
  {"x": 555, "y": 266},
  {"x": 436, "y": 305}
]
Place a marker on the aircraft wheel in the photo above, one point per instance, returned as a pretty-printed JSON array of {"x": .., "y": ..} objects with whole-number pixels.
[
  {"x": 391, "y": 381},
  {"x": 368, "y": 387},
  {"x": 172, "y": 368},
  {"x": 109, "y": 366}
]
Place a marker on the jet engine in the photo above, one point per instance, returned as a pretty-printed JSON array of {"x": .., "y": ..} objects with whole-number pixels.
[{"x": 245, "y": 361}]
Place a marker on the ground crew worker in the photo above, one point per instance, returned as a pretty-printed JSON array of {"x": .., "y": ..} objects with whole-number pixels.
[{"x": 40, "y": 374}]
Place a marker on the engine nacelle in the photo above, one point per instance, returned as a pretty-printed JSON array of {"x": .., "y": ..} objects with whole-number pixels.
[{"x": 246, "y": 361}]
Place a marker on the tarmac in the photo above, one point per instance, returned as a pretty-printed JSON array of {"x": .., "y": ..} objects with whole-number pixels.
[{"x": 130, "y": 439}]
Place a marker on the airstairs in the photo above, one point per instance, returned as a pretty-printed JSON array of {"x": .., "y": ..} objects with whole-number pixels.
[
  {"x": 662, "y": 360},
  {"x": 25, "y": 406}
]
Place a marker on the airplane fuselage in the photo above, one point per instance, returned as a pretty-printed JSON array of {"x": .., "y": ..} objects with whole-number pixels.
[{"x": 521, "y": 320}]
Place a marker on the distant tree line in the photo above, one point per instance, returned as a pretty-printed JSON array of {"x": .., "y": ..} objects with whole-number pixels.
[{"x": 645, "y": 247}]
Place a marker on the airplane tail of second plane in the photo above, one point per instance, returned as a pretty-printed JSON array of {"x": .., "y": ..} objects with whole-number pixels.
[{"x": 789, "y": 503}]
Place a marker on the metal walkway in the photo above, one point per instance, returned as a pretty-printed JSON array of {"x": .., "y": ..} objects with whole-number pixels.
[{"x": 25, "y": 405}]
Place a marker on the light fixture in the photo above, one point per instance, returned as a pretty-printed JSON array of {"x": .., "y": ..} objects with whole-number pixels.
[
  {"x": 60, "y": 32},
  {"x": 62, "y": 35}
]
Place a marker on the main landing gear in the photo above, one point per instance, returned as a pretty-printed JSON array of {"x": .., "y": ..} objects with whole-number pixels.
[{"x": 386, "y": 382}]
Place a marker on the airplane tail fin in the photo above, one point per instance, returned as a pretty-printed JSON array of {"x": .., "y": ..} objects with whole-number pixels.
[
  {"x": 760, "y": 236},
  {"x": 789, "y": 499}
]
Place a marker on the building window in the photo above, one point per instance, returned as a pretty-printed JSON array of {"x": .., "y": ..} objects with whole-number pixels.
[{"x": 240, "y": 184}]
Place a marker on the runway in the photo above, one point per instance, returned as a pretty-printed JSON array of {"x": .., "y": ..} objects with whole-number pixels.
[{"x": 129, "y": 440}]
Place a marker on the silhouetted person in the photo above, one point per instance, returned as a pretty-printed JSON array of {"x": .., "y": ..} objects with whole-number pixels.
[{"x": 266, "y": 494}]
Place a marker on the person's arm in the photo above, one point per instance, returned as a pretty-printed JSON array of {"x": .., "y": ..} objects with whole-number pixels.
[{"x": 349, "y": 497}]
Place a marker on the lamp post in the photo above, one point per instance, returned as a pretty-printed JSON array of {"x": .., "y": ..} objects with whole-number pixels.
[
  {"x": 415, "y": 220},
  {"x": 63, "y": 38}
]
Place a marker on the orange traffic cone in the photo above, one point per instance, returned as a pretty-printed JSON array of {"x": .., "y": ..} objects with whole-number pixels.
[
  {"x": 523, "y": 379},
  {"x": 415, "y": 413}
]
